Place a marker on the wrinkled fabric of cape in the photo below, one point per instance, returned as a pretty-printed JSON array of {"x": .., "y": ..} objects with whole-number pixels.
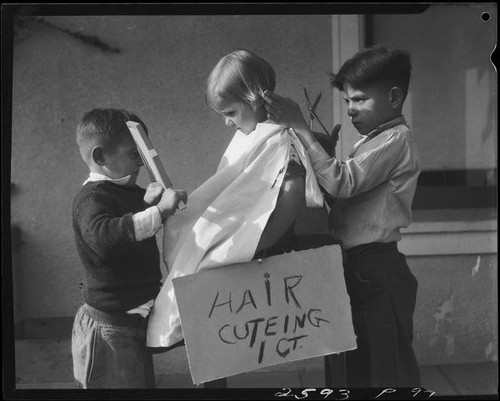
[{"x": 225, "y": 217}]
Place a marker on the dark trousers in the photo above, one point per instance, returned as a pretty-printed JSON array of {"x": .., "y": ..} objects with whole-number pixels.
[{"x": 383, "y": 296}]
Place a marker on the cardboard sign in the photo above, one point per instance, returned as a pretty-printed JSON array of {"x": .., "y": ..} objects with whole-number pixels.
[{"x": 266, "y": 312}]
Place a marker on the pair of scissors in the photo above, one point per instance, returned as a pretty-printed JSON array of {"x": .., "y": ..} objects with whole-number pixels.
[
  {"x": 332, "y": 137},
  {"x": 312, "y": 112}
]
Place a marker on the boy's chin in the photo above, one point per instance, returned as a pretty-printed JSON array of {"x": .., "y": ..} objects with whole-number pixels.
[
  {"x": 363, "y": 130},
  {"x": 132, "y": 179}
]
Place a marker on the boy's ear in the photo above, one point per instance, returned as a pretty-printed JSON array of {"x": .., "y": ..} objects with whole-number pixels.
[
  {"x": 395, "y": 97},
  {"x": 97, "y": 155}
]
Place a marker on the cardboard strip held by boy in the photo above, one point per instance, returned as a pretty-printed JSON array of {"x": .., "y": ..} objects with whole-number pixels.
[{"x": 150, "y": 157}]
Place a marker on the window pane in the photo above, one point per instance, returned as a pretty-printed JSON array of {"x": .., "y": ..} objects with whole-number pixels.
[{"x": 451, "y": 106}]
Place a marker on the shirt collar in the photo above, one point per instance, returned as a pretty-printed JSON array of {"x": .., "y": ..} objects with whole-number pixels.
[
  {"x": 372, "y": 134},
  {"x": 389, "y": 124},
  {"x": 101, "y": 177}
]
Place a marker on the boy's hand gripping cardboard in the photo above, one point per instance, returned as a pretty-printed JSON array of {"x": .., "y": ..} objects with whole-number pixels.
[{"x": 150, "y": 157}]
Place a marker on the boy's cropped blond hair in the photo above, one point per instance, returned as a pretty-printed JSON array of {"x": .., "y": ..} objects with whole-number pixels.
[{"x": 103, "y": 127}]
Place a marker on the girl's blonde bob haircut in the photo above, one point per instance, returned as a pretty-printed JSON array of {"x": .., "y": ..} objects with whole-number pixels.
[{"x": 240, "y": 76}]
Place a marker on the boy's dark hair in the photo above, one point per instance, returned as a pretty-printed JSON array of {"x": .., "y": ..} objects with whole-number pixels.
[
  {"x": 375, "y": 65},
  {"x": 103, "y": 127}
]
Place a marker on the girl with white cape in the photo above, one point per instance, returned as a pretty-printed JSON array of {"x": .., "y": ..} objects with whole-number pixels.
[{"x": 247, "y": 209}]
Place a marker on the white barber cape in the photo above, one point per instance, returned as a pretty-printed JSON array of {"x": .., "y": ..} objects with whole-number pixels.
[{"x": 225, "y": 216}]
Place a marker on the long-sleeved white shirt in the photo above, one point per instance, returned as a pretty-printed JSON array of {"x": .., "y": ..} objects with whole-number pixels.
[{"x": 374, "y": 188}]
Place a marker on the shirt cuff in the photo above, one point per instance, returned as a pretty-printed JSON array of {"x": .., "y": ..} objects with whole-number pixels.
[{"x": 147, "y": 223}]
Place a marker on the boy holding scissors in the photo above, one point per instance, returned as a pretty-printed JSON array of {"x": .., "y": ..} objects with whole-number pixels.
[
  {"x": 115, "y": 222},
  {"x": 373, "y": 192}
]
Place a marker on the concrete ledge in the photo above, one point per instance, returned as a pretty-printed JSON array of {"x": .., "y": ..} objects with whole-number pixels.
[
  {"x": 448, "y": 235},
  {"x": 428, "y": 243}
]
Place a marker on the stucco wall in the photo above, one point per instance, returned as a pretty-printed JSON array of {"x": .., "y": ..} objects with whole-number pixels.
[
  {"x": 456, "y": 317},
  {"x": 160, "y": 74}
]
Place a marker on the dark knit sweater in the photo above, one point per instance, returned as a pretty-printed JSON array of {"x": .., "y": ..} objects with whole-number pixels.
[{"x": 119, "y": 272}]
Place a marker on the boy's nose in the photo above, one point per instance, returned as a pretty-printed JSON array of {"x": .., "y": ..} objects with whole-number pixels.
[
  {"x": 351, "y": 111},
  {"x": 228, "y": 121}
]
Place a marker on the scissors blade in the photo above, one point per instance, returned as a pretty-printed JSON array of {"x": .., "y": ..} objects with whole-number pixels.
[
  {"x": 311, "y": 112},
  {"x": 315, "y": 104},
  {"x": 308, "y": 101}
]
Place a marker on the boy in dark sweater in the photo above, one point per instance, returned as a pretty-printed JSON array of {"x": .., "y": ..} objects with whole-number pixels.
[{"x": 114, "y": 223}]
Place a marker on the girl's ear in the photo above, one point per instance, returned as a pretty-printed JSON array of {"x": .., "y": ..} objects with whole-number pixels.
[
  {"x": 98, "y": 156},
  {"x": 395, "y": 97},
  {"x": 257, "y": 105}
]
